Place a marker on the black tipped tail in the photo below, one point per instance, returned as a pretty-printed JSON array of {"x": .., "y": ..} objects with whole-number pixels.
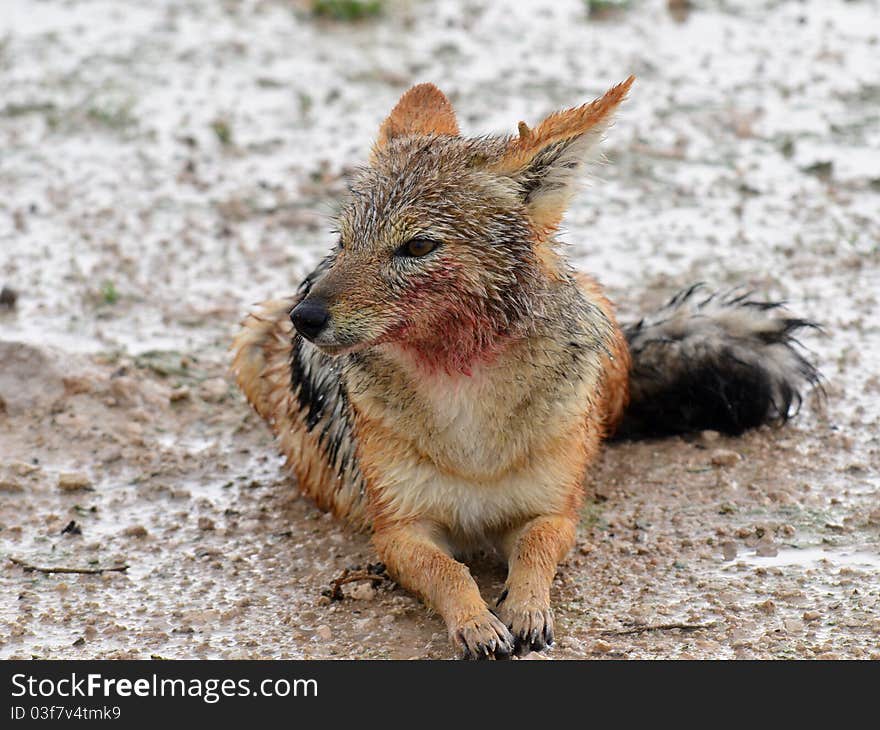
[{"x": 724, "y": 362}]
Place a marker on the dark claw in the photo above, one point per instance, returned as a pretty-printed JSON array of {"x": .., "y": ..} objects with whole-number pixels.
[
  {"x": 485, "y": 652},
  {"x": 497, "y": 644},
  {"x": 501, "y": 598},
  {"x": 498, "y": 650},
  {"x": 534, "y": 641}
]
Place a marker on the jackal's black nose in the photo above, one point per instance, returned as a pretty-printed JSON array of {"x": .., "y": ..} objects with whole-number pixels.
[{"x": 310, "y": 317}]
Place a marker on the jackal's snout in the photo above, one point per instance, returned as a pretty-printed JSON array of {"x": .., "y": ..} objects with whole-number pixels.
[{"x": 310, "y": 317}]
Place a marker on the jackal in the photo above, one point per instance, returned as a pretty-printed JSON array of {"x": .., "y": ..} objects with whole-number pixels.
[{"x": 444, "y": 379}]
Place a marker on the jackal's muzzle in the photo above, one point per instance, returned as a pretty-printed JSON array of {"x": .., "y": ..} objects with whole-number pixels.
[{"x": 310, "y": 318}]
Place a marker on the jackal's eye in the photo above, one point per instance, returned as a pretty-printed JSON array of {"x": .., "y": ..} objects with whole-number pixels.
[{"x": 418, "y": 246}]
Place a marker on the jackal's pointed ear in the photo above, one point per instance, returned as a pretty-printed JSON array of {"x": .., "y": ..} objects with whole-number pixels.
[
  {"x": 546, "y": 161},
  {"x": 424, "y": 109}
]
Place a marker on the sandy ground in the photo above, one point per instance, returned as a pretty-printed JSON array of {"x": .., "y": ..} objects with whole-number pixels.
[{"x": 165, "y": 165}]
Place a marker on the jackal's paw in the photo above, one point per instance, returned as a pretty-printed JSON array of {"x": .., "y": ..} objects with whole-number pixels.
[
  {"x": 483, "y": 637},
  {"x": 531, "y": 625}
]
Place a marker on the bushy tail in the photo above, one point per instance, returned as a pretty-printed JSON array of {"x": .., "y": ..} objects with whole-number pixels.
[{"x": 725, "y": 362}]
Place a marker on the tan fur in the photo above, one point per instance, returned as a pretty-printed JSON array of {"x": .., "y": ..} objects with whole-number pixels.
[
  {"x": 490, "y": 452},
  {"x": 562, "y": 125},
  {"x": 616, "y": 367},
  {"x": 261, "y": 363},
  {"x": 261, "y": 350},
  {"x": 425, "y": 110},
  {"x": 585, "y": 124}
]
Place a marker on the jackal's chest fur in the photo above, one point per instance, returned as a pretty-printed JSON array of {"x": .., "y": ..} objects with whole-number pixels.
[
  {"x": 469, "y": 425},
  {"x": 472, "y": 451}
]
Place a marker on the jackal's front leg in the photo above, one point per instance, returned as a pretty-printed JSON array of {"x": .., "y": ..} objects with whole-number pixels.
[
  {"x": 415, "y": 555},
  {"x": 533, "y": 551}
]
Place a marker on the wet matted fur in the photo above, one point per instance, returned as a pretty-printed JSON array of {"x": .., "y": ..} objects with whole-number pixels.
[{"x": 457, "y": 377}]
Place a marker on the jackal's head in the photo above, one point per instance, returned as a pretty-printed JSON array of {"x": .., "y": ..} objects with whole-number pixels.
[{"x": 447, "y": 242}]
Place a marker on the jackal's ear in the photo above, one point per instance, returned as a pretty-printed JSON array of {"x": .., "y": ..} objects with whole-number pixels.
[
  {"x": 546, "y": 161},
  {"x": 424, "y": 109}
]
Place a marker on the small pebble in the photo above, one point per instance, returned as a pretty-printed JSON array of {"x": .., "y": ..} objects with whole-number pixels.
[
  {"x": 8, "y": 297},
  {"x": 72, "y": 528},
  {"x": 709, "y": 437},
  {"x": 179, "y": 394},
  {"x": 76, "y": 385},
  {"x": 724, "y": 457},
  {"x": 10, "y": 485},
  {"x": 323, "y": 632},
  {"x": 214, "y": 390},
  {"x": 74, "y": 482},
  {"x": 362, "y": 591},
  {"x": 206, "y": 523},
  {"x": 22, "y": 468}
]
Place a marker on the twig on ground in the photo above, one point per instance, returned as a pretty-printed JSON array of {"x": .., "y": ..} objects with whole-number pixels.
[
  {"x": 28, "y": 568},
  {"x": 658, "y": 627},
  {"x": 374, "y": 573}
]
